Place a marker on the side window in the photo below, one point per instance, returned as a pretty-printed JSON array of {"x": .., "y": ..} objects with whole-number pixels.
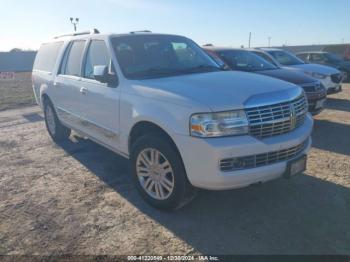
[
  {"x": 46, "y": 57},
  {"x": 303, "y": 56},
  {"x": 74, "y": 59},
  {"x": 217, "y": 59},
  {"x": 317, "y": 57},
  {"x": 266, "y": 57},
  {"x": 97, "y": 55}
]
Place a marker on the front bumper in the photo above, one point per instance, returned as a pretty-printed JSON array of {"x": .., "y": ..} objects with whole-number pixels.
[
  {"x": 201, "y": 157},
  {"x": 313, "y": 98},
  {"x": 330, "y": 86},
  {"x": 334, "y": 90}
]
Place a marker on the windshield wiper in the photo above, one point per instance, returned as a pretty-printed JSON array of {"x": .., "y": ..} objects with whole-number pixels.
[
  {"x": 159, "y": 71},
  {"x": 154, "y": 71},
  {"x": 203, "y": 67}
]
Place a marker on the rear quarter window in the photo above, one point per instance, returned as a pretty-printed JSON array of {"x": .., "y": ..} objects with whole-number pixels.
[
  {"x": 46, "y": 57},
  {"x": 72, "y": 66}
]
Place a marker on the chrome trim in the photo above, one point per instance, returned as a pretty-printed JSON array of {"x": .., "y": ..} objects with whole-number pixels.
[
  {"x": 314, "y": 87},
  {"x": 277, "y": 119},
  {"x": 84, "y": 134},
  {"x": 274, "y": 97},
  {"x": 263, "y": 159},
  {"x": 69, "y": 117}
]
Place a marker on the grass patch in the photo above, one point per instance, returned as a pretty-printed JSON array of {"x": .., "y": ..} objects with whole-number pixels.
[{"x": 17, "y": 92}]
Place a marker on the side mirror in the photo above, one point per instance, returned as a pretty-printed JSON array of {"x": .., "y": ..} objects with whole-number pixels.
[{"x": 101, "y": 73}]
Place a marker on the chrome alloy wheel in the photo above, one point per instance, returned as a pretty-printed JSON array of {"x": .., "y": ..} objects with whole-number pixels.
[
  {"x": 50, "y": 119},
  {"x": 155, "y": 173}
]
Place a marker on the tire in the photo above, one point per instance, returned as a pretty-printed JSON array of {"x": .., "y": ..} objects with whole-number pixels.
[
  {"x": 176, "y": 194},
  {"x": 56, "y": 130}
]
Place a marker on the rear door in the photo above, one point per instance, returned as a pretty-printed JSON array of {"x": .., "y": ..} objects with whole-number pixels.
[
  {"x": 100, "y": 100},
  {"x": 69, "y": 104}
]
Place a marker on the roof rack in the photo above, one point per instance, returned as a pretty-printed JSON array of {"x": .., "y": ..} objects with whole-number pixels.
[
  {"x": 90, "y": 32},
  {"x": 141, "y": 31}
]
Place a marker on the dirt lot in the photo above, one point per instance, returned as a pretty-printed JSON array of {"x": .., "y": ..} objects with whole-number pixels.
[{"x": 78, "y": 199}]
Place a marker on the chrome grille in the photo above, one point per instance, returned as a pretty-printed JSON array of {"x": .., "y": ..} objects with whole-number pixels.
[
  {"x": 277, "y": 119},
  {"x": 252, "y": 161},
  {"x": 312, "y": 87}
]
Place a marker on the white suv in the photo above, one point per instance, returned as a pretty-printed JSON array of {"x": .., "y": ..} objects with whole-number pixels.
[{"x": 162, "y": 102}]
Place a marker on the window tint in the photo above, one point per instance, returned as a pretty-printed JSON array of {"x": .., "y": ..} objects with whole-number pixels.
[
  {"x": 153, "y": 56},
  {"x": 245, "y": 61},
  {"x": 285, "y": 58},
  {"x": 303, "y": 56},
  {"x": 264, "y": 56},
  {"x": 217, "y": 59},
  {"x": 317, "y": 57},
  {"x": 96, "y": 55},
  {"x": 73, "y": 65},
  {"x": 46, "y": 57}
]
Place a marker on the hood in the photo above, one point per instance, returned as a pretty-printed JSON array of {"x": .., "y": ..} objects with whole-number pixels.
[
  {"x": 321, "y": 69},
  {"x": 225, "y": 90},
  {"x": 291, "y": 76}
]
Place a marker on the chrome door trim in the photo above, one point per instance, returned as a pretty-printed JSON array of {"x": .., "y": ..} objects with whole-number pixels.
[
  {"x": 70, "y": 117},
  {"x": 84, "y": 134}
]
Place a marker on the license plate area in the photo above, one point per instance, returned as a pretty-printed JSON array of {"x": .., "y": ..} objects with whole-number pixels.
[{"x": 296, "y": 166}]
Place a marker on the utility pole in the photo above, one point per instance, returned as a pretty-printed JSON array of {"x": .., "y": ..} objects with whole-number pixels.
[
  {"x": 269, "y": 41},
  {"x": 250, "y": 38},
  {"x": 74, "y": 22}
]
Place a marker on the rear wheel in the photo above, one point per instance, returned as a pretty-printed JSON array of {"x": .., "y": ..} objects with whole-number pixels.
[
  {"x": 159, "y": 174},
  {"x": 57, "y": 131}
]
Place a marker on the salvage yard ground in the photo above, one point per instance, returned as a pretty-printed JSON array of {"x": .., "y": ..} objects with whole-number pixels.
[{"x": 78, "y": 198}]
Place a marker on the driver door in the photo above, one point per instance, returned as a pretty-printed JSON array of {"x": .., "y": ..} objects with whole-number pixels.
[{"x": 101, "y": 100}]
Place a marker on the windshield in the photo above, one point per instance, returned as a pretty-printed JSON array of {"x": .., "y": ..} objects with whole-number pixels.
[
  {"x": 245, "y": 61},
  {"x": 154, "y": 56},
  {"x": 286, "y": 58}
]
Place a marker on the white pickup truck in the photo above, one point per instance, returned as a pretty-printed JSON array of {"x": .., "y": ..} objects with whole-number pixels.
[{"x": 162, "y": 102}]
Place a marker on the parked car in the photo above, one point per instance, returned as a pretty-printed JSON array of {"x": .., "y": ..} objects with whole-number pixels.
[
  {"x": 331, "y": 78},
  {"x": 328, "y": 59},
  {"x": 162, "y": 102},
  {"x": 342, "y": 50},
  {"x": 246, "y": 60}
]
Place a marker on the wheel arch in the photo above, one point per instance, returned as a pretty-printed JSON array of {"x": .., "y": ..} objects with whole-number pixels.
[
  {"x": 143, "y": 128},
  {"x": 44, "y": 99}
]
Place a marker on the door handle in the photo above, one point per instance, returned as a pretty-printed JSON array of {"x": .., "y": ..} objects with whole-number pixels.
[{"x": 83, "y": 90}]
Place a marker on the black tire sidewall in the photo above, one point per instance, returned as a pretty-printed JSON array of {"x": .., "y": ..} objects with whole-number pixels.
[
  {"x": 180, "y": 179},
  {"x": 46, "y": 105},
  {"x": 61, "y": 132}
]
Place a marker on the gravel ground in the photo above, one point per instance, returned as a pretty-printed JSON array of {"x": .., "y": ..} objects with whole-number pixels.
[{"x": 78, "y": 198}]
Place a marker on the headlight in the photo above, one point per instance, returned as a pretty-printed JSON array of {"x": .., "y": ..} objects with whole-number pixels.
[
  {"x": 219, "y": 124},
  {"x": 316, "y": 75}
]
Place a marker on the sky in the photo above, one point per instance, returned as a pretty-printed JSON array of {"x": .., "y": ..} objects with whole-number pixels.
[{"x": 27, "y": 23}]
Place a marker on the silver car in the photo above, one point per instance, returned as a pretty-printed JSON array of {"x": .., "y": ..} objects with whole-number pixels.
[{"x": 331, "y": 78}]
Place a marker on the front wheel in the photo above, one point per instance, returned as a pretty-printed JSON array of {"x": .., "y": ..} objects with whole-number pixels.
[
  {"x": 57, "y": 131},
  {"x": 159, "y": 174}
]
